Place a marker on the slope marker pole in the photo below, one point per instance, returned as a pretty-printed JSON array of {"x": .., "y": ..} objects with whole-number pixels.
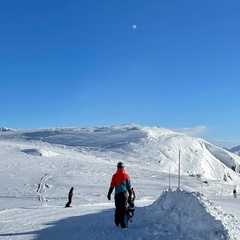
[
  {"x": 179, "y": 160},
  {"x": 169, "y": 177}
]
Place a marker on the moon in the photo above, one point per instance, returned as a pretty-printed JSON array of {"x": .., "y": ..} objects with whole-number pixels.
[{"x": 134, "y": 26}]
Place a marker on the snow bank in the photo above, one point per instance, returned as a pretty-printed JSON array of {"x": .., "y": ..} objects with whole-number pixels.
[
  {"x": 40, "y": 152},
  {"x": 189, "y": 215}
]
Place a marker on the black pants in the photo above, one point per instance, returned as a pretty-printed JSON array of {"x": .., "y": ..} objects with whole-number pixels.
[
  {"x": 69, "y": 201},
  {"x": 120, "y": 204}
]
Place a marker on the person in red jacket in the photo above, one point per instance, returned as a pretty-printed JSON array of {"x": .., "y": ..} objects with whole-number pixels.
[{"x": 123, "y": 193}]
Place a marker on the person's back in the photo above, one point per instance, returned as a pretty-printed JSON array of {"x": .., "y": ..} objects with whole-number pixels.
[
  {"x": 122, "y": 184},
  {"x": 121, "y": 181}
]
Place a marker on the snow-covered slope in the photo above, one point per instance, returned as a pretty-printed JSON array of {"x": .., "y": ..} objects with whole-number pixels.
[
  {"x": 38, "y": 167},
  {"x": 140, "y": 145},
  {"x": 235, "y": 150}
]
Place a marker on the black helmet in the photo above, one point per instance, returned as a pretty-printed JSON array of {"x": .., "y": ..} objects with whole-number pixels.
[{"x": 120, "y": 165}]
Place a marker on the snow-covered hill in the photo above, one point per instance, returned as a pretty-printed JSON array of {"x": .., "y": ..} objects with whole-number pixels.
[
  {"x": 143, "y": 145},
  {"x": 38, "y": 167}
]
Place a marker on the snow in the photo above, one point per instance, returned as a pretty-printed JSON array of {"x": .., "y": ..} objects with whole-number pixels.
[
  {"x": 39, "y": 166},
  {"x": 180, "y": 217}
]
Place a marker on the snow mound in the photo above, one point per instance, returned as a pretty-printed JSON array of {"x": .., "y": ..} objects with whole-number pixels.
[
  {"x": 187, "y": 215},
  {"x": 38, "y": 152}
]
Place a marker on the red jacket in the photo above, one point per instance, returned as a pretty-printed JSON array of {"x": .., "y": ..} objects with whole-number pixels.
[{"x": 121, "y": 181}]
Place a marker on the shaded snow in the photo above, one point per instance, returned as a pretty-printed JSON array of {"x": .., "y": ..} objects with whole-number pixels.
[{"x": 40, "y": 152}]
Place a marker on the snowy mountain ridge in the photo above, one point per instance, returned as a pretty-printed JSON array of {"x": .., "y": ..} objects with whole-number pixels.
[
  {"x": 143, "y": 144},
  {"x": 235, "y": 150}
]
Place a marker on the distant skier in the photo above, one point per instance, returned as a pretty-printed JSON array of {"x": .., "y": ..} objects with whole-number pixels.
[
  {"x": 234, "y": 193},
  {"x": 123, "y": 194},
  {"x": 69, "y": 198}
]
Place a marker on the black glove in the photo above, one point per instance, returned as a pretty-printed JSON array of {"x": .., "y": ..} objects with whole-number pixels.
[{"x": 109, "y": 193}]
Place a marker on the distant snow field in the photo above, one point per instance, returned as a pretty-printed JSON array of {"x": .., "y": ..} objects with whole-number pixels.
[{"x": 38, "y": 167}]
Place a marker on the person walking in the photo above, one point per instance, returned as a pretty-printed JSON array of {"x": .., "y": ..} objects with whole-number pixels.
[
  {"x": 70, "y": 194},
  {"x": 123, "y": 194},
  {"x": 234, "y": 193}
]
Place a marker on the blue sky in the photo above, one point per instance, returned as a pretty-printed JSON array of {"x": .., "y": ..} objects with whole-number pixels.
[{"x": 81, "y": 63}]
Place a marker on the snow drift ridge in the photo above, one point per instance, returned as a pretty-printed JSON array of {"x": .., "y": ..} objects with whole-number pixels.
[{"x": 187, "y": 215}]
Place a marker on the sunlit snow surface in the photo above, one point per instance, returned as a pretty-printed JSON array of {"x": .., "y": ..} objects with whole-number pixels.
[{"x": 38, "y": 167}]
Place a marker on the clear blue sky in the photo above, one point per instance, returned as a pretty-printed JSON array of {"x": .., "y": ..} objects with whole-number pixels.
[{"x": 80, "y": 63}]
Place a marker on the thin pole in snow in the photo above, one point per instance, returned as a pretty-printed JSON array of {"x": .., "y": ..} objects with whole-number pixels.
[
  {"x": 41, "y": 146},
  {"x": 169, "y": 178},
  {"x": 179, "y": 160}
]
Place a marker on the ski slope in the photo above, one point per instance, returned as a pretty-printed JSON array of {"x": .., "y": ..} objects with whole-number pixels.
[{"x": 39, "y": 166}]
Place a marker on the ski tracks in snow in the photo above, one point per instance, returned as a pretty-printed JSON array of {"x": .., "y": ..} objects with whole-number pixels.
[{"x": 42, "y": 187}]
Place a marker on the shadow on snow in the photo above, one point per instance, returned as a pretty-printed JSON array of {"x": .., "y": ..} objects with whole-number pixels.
[{"x": 90, "y": 226}]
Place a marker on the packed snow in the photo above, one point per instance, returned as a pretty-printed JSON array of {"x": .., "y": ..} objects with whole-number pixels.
[{"x": 39, "y": 166}]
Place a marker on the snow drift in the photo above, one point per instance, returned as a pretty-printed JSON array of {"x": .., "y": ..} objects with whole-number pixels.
[{"x": 190, "y": 215}]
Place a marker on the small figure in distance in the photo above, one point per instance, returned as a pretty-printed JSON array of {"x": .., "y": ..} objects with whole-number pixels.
[
  {"x": 70, "y": 194},
  {"x": 234, "y": 193}
]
